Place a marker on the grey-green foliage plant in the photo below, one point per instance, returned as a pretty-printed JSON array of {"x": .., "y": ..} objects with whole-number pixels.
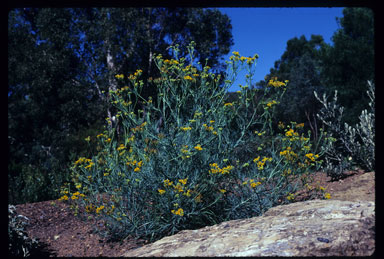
[
  {"x": 19, "y": 242},
  {"x": 173, "y": 168},
  {"x": 351, "y": 144}
]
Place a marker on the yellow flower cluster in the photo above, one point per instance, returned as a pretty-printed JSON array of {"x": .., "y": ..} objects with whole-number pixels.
[
  {"x": 179, "y": 212},
  {"x": 76, "y": 195},
  {"x": 236, "y": 56},
  {"x": 188, "y": 78},
  {"x": 171, "y": 62},
  {"x": 135, "y": 75},
  {"x": 259, "y": 133},
  {"x": 99, "y": 209},
  {"x": 136, "y": 165},
  {"x": 121, "y": 147},
  {"x": 139, "y": 127},
  {"x": 83, "y": 160},
  {"x": 101, "y": 135},
  {"x": 291, "y": 133},
  {"x": 261, "y": 163},
  {"x": 252, "y": 183},
  {"x": 185, "y": 128},
  {"x": 185, "y": 151},
  {"x": 210, "y": 128},
  {"x": 273, "y": 102},
  {"x": 216, "y": 169},
  {"x": 121, "y": 76},
  {"x": 63, "y": 198},
  {"x": 312, "y": 157},
  {"x": 289, "y": 154},
  {"x": 198, "y": 147},
  {"x": 273, "y": 82},
  {"x": 290, "y": 197},
  {"x": 179, "y": 187}
]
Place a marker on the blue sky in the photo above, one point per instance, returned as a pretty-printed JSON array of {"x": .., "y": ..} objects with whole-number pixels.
[{"x": 265, "y": 31}]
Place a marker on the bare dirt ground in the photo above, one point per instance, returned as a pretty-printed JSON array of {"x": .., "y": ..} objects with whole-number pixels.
[{"x": 64, "y": 235}]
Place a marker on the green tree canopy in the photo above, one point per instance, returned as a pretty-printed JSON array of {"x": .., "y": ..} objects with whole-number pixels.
[{"x": 349, "y": 63}]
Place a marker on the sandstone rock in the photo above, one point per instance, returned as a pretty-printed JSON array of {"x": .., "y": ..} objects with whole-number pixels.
[{"x": 310, "y": 228}]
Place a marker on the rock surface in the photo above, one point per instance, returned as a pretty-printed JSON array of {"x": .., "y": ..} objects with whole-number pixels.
[{"x": 310, "y": 228}]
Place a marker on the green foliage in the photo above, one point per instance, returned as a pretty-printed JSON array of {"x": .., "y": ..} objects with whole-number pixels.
[
  {"x": 19, "y": 244},
  {"x": 351, "y": 145},
  {"x": 349, "y": 63},
  {"x": 175, "y": 168}
]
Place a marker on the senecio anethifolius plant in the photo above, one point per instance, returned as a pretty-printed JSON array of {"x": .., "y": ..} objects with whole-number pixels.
[{"x": 176, "y": 163}]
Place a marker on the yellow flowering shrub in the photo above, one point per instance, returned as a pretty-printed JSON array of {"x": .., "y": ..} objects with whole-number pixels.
[{"x": 176, "y": 162}]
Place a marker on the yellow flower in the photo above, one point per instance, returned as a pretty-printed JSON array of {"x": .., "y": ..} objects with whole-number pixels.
[
  {"x": 89, "y": 165},
  {"x": 179, "y": 212},
  {"x": 236, "y": 53},
  {"x": 290, "y": 197},
  {"x": 188, "y": 78},
  {"x": 327, "y": 195},
  {"x": 178, "y": 187},
  {"x": 311, "y": 156},
  {"x": 137, "y": 169},
  {"x": 183, "y": 181},
  {"x": 140, "y": 164},
  {"x": 253, "y": 185},
  {"x": 198, "y": 147},
  {"x": 65, "y": 198},
  {"x": 99, "y": 209},
  {"x": 223, "y": 191},
  {"x": 188, "y": 193},
  {"x": 167, "y": 183},
  {"x": 121, "y": 76},
  {"x": 291, "y": 133},
  {"x": 161, "y": 191},
  {"x": 271, "y": 103},
  {"x": 228, "y": 104},
  {"x": 121, "y": 147},
  {"x": 185, "y": 128},
  {"x": 273, "y": 82}
]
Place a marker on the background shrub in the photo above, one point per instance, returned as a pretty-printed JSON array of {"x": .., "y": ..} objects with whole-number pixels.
[
  {"x": 351, "y": 146},
  {"x": 19, "y": 244}
]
